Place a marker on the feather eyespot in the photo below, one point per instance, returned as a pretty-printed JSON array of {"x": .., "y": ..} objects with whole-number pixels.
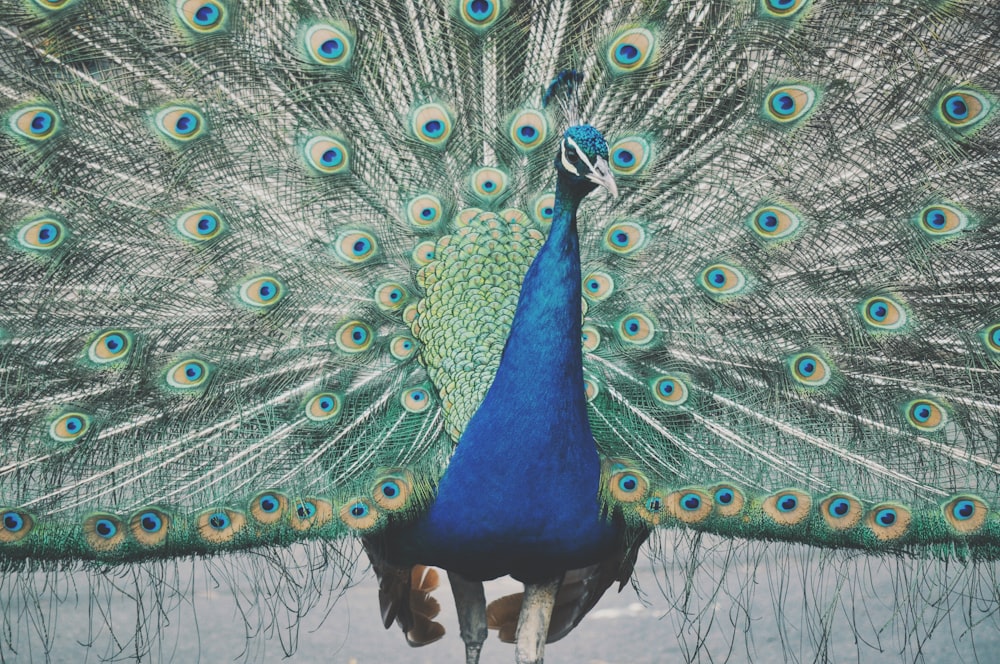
[
  {"x": 543, "y": 209},
  {"x": 721, "y": 280},
  {"x": 881, "y": 313},
  {"x": 431, "y": 124},
  {"x": 841, "y": 511},
  {"x": 628, "y": 486},
  {"x": 479, "y": 14},
  {"x": 103, "y": 532},
  {"x": 354, "y": 337},
  {"x": 528, "y": 130},
  {"x": 269, "y": 507},
  {"x": 36, "y": 123},
  {"x": 630, "y": 50},
  {"x": 109, "y": 346},
  {"x": 774, "y": 223},
  {"x": 782, "y": 8},
  {"x": 41, "y": 235},
  {"x": 53, "y": 5},
  {"x": 630, "y": 155},
  {"x": 689, "y": 505},
  {"x": 180, "y": 124},
  {"x": 150, "y": 527},
  {"x": 925, "y": 415},
  {"x": 356, "y": 246},
  {"x": 415, "y": 399},
  {"x": 424, "y": 253},
  {"x": 591, "y": 338},
  {"x": 393, "y": 490},
  {"x": 402, "y": 347},
  {"x": 489, "y": 183},
  {"x": 787, "y": 508},
  {"x": 327, "y": 155},
  {"x": 188, "y": 374},
  {"x": 219, "y": 526},
  {"x": 310, "y": 513},
  {"x": 262, "y": 292},
  {"x": 962, "y": 108},
  {"x": 69, "y": 427},
  {"x": 328, "y": 45},
  {"x": 636, "y": 329},
  {"x": 202, "y": 16},
  {"x": 728, "y": 500},
  {"x": 590, "y": 389},
  {"x": 809, "y": 369},
  {"x": 888, "y": 521},
  {"x": 942, "y": 220},
  {"x": 323, "y": 407},
  {"x": 425, "y": 211},
  {"x": 625, "y": 237},
  {"x": 991, "y": 337},
  {"x": 789, "y": 103},
  {"x": 359, "y": 514},
  {"x": 200, "y": 225},
  {"x": 390, "y": 296},
  {"x": 598, "y": 286},
  {"x": 14, "y": 526},
  {"x": 966, "y": 514},
  {"x": 669, "y": 390}
]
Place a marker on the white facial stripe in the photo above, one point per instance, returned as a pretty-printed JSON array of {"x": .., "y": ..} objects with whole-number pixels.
[{"x": 566, "y": 163}]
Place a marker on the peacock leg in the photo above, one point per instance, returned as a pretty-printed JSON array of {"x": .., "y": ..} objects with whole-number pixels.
[
  {"x": 470, "y": 601},
  {"x": 533, "y": 623}
]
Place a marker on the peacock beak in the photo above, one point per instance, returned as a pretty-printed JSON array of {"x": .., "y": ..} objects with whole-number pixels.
[{"x": 601, "y": 176}]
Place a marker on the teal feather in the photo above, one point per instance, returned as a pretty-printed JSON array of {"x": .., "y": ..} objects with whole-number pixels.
[{"x": 261, "y": 261}]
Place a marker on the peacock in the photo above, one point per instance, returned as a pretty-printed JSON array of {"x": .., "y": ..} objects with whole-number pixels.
[{"x": 500, "y": 287}]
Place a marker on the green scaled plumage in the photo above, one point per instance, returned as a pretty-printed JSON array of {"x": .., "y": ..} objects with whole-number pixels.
[{"x": 260, "y": 261}]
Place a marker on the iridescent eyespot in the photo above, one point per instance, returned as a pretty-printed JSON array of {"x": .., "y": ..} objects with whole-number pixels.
[
  {"x": 653, "y": 508},
  {"x": 479, "y": 14},
  {"x": 392, "y": 490},
  {"x": 543, "y": 209},
  {"x": 669, "y": 390},
  {"x": 14, "y": 525},
  {"x": 624, "y": 237},
  {"x": 202, "y": 16},
  {"x": 41, "y": 235},
  {"x": 354, "y": 337},
  {"x": 402, "y": 348},
  {"x": 53, "y": 5},
  {"x": 590, "y": 389},
  {"x": 774, "y": 223},
  {"x": 188, "y": 374},
  {"x": 962, "y": 108},
  {"x": 888, "y": 521},
  {"x": 636, "y": 329},
  {"x": 721, "y": 280},
  {"x": 431, "y": 124},
  {"x": 423, "y": 253},
  {"x": 69, "y": 427},
  {"x": 200, "y": 225},
  {"x": 329, "y": 45},
  {"x": 689, "y": 505},
  {"x": 528, "y": 129},
  {"x": 630, "y": 50},
  {"x": 942, "y": 220},
  {"x": 180, "y": 123},
  {"x": 109, "y": 346},
  {"x": 103, "y": 532},
  {"x": 390, "y": 296},
  {"x": 268, "y": 507},
  {"x": 809, "y": 370},
  {"x": 628, "y": 486},
  {"x": 727, "y": 499},
  {"x": 882, "y": 314},
  {"x": 841, "y": 511},
  {"x": 425, "y": 211},
  {"x": 415, "y": 399},
  {"x": 310, "y": 512},
  {"x": 262, "y": 292},
  {"x": 789, "y": 103},
  {"x": 925, "y": 415},
  {"x": 787, "y": 508},
  {"x": 782, "y": 8},
  {"x": 149, "y": 527},
  {"x": 489, "y": 182},
  {"x": 220, "y": 525},
  {"x": 359, "y": 514},
  {"x": 327, "y": 155},
  {"x": 991, "y": 337},
  {"x": 323, "y": 407},
  {"x": 966, "y": 514},
  {"x": 35, "y": 123},
  {"x": 598, "y": 286},
  {"x": 591, "y": 338},
  {"x": 629, "y": 155},
  {"x": 356, "y": 246}
]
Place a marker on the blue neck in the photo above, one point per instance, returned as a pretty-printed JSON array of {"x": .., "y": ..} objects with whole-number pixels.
[{"x": 520, "y": 495}]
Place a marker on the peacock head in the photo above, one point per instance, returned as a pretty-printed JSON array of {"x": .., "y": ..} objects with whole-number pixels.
[{"x": 583, "y": 160}]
